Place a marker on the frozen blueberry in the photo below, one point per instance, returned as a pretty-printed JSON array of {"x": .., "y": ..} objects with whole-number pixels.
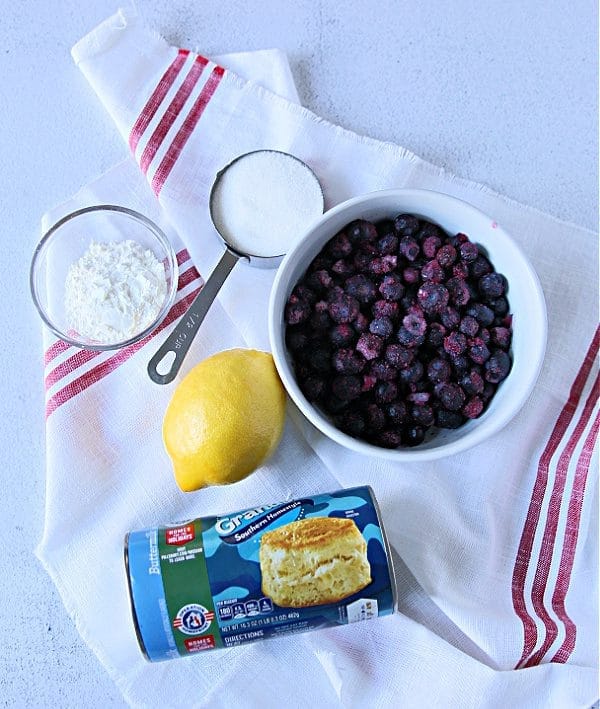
[
  {"x": 436, "y": 334},
  {"x": 469, "y": 326},
  {"x": 430, "y": 246},
  {"x": 319, "y": 281},
  {"x": 484, "y": 334},
  {"x": 473, "y": 408},
  {"x": 414, "y": 435},
  {"x": 320, "y": 320},
  {"x": 438, "y": 370},
  {"x": 497, "y": 367},
  {"x": 459, "y": 291},
  {"x": 360, "y": 231},
  {"x": 409, "y": 339},
  {"x": 422, "y": 414},
  {"x": 320, "y": 262},
  {"x": 469, "y": 251},
  {"x": 451, "y": 396},
  {"x": 406, "y": 224},
  {"x": 382, "y": 327},
  {"x": 409, "y": 248},
  {"x": 385, "y": 392},
  {"x": 391, "y": 287},
  {"x": 499, "y": 306},
  {"x": 297, "y": 312},
  {"x": 361, "y": 288},
  {"x": 460, "y": 269},
  {"x": 346, "y": 387},
  {"x": 480, "y": 266},
  {"x": 488, "y": 391},
  {"x": 414, "y": 321},
  {"x": 339, "y": 246},
  {"x": 296, "y": 339},
  {"x": 472, "y": 383},
  {"x": 342, "y": 335},
  {"x": 319, "y": 358},
  {"x": 382, "y": 264},
  {"x": 450, "y": 318},
  {"x": 361, "y": 261},
  {"x": 388, "y": 244},
  {"x": 385, "y": 309},
  {"x": 433, "y": 297},
  {"x": 455, "y": 343},
  {"x": 411, "y": 274},
  {"x": 413, "y": 373},
  {"x": 501, "y": 336},
  {"x": 333, "y": 404},
  {"x": 383, "y": 371},
  {"x": 313, "y": 387},
  {"x": 481, "y": 313},
  {"x": 343, "y": 308},
  {"x": 448, "y": 419},
  {"x": 361, "y": 323},
  {"x": 399, "y": 356},
  {"x": 492, "y": 285},
  {"x": 375, "y": 417},
  {"x": 478, "y": 350},
  {"x": 347, "y": 361},
  {"x": 460, "y": 363},
  {"x": 369, "y": 345},
  {"x": 305, "y": 293},
  {"x": 432, "y": 271},
  {"x": 396, "y": 412},
  {"x": 390, "y": 438},
  {"x": 446, "y": 255},
  {"x": 342, "y": 267},
  {"x": 352, "y": 423}
]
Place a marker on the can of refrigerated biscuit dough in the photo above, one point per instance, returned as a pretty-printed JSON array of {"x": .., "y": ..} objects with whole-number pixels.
[{"x": 216, "y": 582}]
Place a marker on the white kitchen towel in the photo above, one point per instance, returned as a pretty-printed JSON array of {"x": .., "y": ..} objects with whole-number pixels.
[{"x": 496, "y": 548}]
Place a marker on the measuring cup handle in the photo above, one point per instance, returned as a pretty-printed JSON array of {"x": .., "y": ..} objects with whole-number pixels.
[{"x": 181, "y": 338}]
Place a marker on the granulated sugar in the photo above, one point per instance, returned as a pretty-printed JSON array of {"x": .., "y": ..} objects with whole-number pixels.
[
  {"x": 114, "y": 291},
  {"x": 264, "y": 202}
]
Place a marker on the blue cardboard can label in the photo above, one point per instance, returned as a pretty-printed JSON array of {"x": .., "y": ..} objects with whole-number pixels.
[{"x": 214, "y": 582}]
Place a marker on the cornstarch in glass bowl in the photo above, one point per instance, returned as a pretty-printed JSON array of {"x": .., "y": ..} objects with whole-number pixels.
[{"x": 114, "y": 291}]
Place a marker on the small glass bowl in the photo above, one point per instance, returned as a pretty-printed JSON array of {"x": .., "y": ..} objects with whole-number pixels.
[{"x": 68, "y": 240}]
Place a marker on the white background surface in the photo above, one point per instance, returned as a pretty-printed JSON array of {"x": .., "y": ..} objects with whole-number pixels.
[{"x": 499, "y": 92}]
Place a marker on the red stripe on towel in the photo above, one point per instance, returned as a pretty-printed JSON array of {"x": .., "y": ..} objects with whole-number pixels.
[
  {"x": 570, "y": 545},
  {"x": 200, "y": 104},
  {"x": 542, "y": 573},
  {"x": 156, "y": 98},
  {"x": 533, "y": 514},
  {"x": 54, "y": 350},
  {"x": 173, "y": 110}
]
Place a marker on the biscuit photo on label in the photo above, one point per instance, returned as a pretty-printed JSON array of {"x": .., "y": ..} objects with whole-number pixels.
[{"x": 314, "y": 561}]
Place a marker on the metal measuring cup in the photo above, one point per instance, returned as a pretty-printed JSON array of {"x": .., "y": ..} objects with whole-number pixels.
[{"x": 179, "y": 341}]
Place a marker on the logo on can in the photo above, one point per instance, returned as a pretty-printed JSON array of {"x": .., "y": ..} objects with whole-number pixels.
[{"x": 193, "y": 619}]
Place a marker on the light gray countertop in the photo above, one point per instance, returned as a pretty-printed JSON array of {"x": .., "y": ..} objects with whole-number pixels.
[{"x": 503, "y": 93}]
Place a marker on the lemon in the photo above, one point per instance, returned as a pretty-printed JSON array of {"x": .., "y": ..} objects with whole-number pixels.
[{"x": 225, "y": 418}]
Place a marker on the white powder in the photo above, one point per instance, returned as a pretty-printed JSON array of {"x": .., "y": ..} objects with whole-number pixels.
[
  {"x": 114, "y": 291},
  {"x": 264, "y": 202}
]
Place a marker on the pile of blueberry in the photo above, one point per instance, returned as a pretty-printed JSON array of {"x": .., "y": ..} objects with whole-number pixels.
[{"x": 397, "y": 327}]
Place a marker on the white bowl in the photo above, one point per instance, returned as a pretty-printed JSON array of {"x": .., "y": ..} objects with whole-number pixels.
[{"x": 525, "y": 298}]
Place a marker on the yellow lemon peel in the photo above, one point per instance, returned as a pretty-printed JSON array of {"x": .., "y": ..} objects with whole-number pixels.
[{"x": 224, "y": 419}]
